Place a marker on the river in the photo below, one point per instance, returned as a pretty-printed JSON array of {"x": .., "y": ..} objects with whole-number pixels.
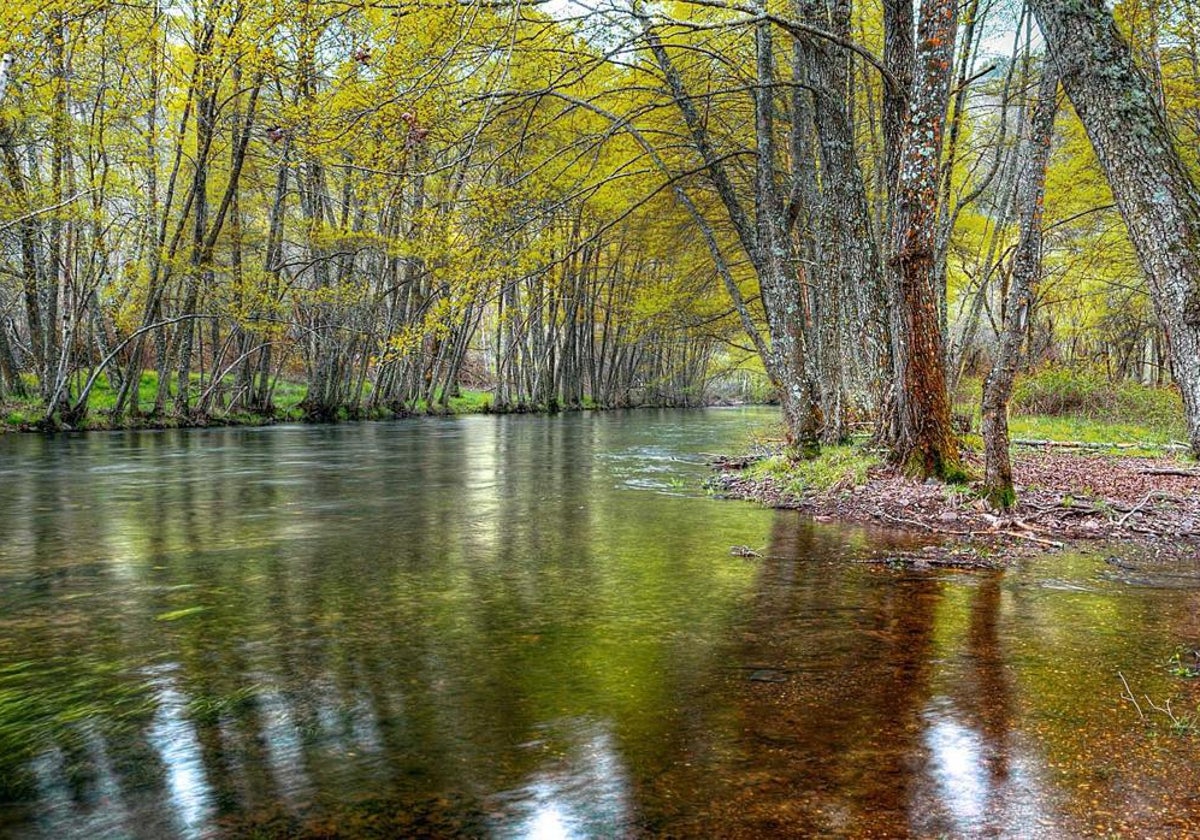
[{"x": 534, "y": 627}]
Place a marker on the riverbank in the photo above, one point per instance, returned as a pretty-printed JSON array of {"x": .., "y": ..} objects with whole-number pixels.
[
  {"x": 1065, "y": 496},
  {"x": 26, "y": 415},
  {"x": 23, "y": 416}
]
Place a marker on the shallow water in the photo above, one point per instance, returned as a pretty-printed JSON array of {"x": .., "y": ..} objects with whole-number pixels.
[{"x": 534, "y": 627}]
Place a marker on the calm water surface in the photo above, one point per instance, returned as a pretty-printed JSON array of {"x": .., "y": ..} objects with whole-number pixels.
[{"x": 533, "y": 627}]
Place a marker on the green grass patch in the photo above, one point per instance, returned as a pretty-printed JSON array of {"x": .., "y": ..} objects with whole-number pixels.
[
  {"x": 1062, "y": 405},
  {"x": 103, "y": 396},
  {"x": 289, "y": 394},
  {"x": 471, "y": 402},
  {"x": 1086, "y": 430},
  {"x": 21, "y": 412},
  {"x": 835, "y": 468},
  {"x": 1058, "y": 392}
]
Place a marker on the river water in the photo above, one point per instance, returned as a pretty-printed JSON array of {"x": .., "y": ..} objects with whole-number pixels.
[{"x": 534, "y": 627}]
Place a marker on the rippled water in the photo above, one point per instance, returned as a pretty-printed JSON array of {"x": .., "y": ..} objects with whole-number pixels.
[{"x": 534, "y": 627}]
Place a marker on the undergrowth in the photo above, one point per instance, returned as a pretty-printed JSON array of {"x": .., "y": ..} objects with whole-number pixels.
[
  {"x": 835, "y": 468},
  {"x": 1058, "y": 392},
  {"x": 1055, "y": 403}
]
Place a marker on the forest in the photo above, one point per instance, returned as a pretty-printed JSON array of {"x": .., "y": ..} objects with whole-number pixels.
[
  {"x": 920, "y": 278},
  {"x": 851, "y": 209}
]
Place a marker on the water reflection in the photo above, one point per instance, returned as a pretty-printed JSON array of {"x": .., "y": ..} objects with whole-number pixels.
[
  {"x": 580, "y": 789},
  {"x": 521, "y": 627},
  {"x": 174, "y": 738}
]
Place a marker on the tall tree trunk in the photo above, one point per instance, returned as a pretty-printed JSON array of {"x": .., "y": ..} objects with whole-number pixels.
[
  {"x": 945, "y": 218},
  {"x": 851, "y": 284},
  {"x": 1153, "y": 190},
  {"x": 29, "y": 231},
  {"x": 57, "y": 251},
  {"x": 899, "y": 57},
  {"x": 763, "y": 239},
  {"x": 780, "y": 287},
  {"x": 10, "y": 373},
  {"x": 1026, "y": 271},
  {"x": 923, "y": 440},
  {"x": 205, "y": 119}
]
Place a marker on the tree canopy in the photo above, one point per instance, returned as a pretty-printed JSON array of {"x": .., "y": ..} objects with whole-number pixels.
[{"x": 593, "y": 204}]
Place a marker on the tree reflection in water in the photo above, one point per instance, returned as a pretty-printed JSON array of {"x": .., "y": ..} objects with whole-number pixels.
[{"x": 499, "y": 627}]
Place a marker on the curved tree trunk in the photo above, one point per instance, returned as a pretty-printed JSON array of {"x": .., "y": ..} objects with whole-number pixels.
[
  {"x": 1026, "y": 270},
  {"x": 762, "y": 237},
  {"x": 1153, "y": 190}
]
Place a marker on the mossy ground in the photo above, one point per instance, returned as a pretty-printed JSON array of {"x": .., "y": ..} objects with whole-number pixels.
[{"x": 835, "y": 468}]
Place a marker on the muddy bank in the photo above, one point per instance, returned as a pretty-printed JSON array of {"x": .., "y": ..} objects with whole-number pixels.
[{"x": 1151, "y": 504}]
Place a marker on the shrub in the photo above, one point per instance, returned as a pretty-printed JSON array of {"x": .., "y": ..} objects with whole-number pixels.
[{"x": 1058, "y": 392}]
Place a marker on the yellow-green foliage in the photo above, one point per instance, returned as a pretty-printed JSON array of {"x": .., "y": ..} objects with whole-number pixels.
[{"x": 1061, "y": 392}]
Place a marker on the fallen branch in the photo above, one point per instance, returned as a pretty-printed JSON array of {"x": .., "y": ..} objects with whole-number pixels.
[
  {"x": 1128, "y": 695},
  {"x": 918, "y": 523},
  {"x": 1184, "y": 473},
  {"x": 1151, "y": 495},
  {"x": 1065, "y": 511},
  {"x": 1021, "y": 536},
  {"x": 734, "y": 462},
  {"x": 1025, "y": 525},
  {"x": 992, "y": 532},
  {"x": 1079, "y": 444}
]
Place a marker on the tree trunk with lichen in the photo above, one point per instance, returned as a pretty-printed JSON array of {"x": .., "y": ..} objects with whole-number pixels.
[
  {"x": 922, "y": 438},
  {"x": 1155, "y": 193},
  {"x": 761, "y": 235},
  {"x": 779, "y": 285},
  {"x": 848, "y": 287},
  {"x": 1026, "y": 270}
]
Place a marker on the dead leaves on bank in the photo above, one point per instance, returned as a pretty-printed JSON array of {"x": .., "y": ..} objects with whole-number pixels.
[{"x": 1062, "y": 496}]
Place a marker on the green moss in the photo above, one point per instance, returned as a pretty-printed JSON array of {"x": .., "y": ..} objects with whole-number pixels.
[
  {"x": 835, "y": 468},
  {"x": 956, "y": 474},
  {"x": 1001, "y": 498}
]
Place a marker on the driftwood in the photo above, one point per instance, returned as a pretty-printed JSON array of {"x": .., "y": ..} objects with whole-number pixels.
[
  {"x": 1000, "y": 528},
  {"x": 733, "y": 462},
  {"x": 1079, "y": 444}
]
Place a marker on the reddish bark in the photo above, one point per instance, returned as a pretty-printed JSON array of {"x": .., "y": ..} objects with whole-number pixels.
[{"x": 923, "y": 441}]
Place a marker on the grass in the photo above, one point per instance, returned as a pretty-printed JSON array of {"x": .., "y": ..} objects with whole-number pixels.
[
  {"x": 1061, "y": 405},
  {"x": 471, "y": 402},
  {"x": 835, "y": 468},
  {"x": 1091, "y": 431}
]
